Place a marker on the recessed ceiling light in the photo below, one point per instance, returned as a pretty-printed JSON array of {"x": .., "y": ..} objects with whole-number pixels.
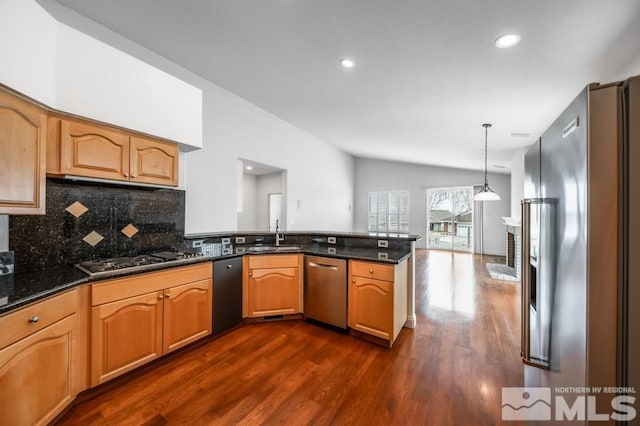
[
  {"x": 519, "y": 135},
  {"x": 507, "y": 40},
  {"x": 347, "y": 63},
  {"x": 249, "y": 168}
]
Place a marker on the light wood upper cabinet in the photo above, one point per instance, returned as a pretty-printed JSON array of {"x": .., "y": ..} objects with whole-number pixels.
[
  {"x": 378, "y": 298},
  {"x": 153, "y": 161},
  {"x": 140, "y": 318},
  {"x": 23, "y": 128},
  {"x": 95, "y": 151},
  {"x": 272, "y": 285},
  {"x": 39, "y": 361},
  {"x": 82, "y": 148}
]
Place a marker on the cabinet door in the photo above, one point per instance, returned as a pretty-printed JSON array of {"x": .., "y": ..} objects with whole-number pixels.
[
  {"x": 125, "y": 334},
  {"x": 22, "y": 156},
  {"x": 93, "y": 151},
  {"x": 154, "y": 162},
  {"x": 187, "y": 314},
  {"x": 36, "y": 375},
  {"x": 371, "y": 307},
  {"x": 274, "y": 292}
]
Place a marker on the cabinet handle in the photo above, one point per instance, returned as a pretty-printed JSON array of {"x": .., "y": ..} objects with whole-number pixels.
[
  {"x": 250, "y": 273},
  {"x": 229, "y": 266},
  {"x": 371, "y": 271},
  {"x": 125, "y": 174},
  {"x": 353, "y": 280},
  {"x": 168, "y": 295},
  {"x": 34, "y": 319},
  {"x": 134, "y": 176},
  {"x": 160, "y": 296}
]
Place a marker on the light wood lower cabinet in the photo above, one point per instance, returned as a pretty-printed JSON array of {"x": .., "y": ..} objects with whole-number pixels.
[
  {"x": 187, "y": 314},
  {"x": 272, "y": 285},
  {"x": 125, "y": 334},
  {"x": 140, "y": 318},
  {"x": 39, "y": 369},
  {"x": 377, "y": 298}
]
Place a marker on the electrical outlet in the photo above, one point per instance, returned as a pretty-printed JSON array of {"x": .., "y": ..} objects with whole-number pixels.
[
  {"x": 331, "y": 250},
  {"x": 383, "y": 256},
  {"x": 383, "y": 243},
  {"x": 197, "y": 243},
  {"x": 331, "y": 240},
  {"x": 239, "y": 240}
]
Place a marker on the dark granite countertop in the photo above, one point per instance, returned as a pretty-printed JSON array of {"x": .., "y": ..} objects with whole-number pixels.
[
  {"x": 368, "y": 254},
  {"x": 407, "y": 237},
  {"x": 19, "y": 289}
]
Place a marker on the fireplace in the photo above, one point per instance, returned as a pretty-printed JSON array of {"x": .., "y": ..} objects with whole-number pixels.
[
  {"x": 510, "y": 270},
  {"x": 514, "y": 244},
  {"x": 513, "y": 250}
]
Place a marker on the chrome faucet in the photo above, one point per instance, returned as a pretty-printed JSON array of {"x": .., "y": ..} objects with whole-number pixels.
[{"x": 278, "y": 236}]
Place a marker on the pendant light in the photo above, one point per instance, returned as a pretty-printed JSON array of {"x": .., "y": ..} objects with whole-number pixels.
[{"x": 486, "y": 193}]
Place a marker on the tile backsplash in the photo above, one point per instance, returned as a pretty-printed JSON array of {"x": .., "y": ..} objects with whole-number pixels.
[{"x": 87, "y": 220}]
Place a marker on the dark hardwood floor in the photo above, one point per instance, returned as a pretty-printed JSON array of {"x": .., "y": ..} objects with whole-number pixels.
[{"x": 447, "y": 371}]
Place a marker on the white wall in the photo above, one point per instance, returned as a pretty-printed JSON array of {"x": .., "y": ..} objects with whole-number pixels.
[
  {"x": 28, "y": 46},
  {"x": 73, "y": 72},
  {"x": 374, "y": 175},
  {"x": 318, "y": 174},
  {"x": 267, "y": 184},
  {"x": 517, "y": 181},
  {"x": 248, "y": 217}
]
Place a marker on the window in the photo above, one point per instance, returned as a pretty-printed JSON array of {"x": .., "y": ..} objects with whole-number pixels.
[
  {"x": 450, "y": 218},
  {"x": 389, "y": 211}
]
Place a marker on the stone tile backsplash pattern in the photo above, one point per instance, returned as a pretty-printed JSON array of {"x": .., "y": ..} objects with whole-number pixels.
[{"x": 153, "y": 220}]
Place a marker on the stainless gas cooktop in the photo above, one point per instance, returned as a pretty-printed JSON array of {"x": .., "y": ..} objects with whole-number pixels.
[{"x": 118, "y": 265}]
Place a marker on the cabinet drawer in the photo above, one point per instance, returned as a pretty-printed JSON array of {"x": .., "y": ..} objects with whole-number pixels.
[
  {"x": 136, "y": 285},
  {"x": 273, "y": 261},
  {"x": 377, "y": 271},
  {"x": 20, "y": 324}
]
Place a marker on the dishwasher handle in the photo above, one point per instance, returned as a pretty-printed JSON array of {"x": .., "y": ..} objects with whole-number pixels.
[{"x": 322, "y": 265}]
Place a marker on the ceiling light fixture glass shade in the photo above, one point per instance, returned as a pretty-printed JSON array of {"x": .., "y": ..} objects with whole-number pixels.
[{"x": 486, "y": 193}]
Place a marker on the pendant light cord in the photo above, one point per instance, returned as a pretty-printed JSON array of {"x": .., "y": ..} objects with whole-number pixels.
[{"x": 486, "y": 130}]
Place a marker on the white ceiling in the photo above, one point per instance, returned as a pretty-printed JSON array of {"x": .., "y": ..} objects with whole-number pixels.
[{"x": 427, "y": 74}]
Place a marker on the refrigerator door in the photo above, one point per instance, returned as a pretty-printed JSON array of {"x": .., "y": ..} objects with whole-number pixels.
[
  {"x": 562, "y": 251},
  {"x": 632, "y": 266},
  {"x": 538, "y": 280},
  {"x": 532, "y": 171}
]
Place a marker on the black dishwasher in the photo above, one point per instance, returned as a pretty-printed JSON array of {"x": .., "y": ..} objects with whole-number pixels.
[{"x": 227, "y": 294}]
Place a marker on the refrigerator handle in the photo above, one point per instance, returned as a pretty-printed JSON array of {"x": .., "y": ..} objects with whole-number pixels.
[{"x": 525, "y": 338}]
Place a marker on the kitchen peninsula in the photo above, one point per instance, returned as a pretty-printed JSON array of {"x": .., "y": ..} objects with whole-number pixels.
[{"x": 163, "y": 308}]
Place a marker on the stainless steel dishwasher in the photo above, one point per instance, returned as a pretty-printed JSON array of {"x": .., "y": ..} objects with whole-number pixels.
[{"x": 325, "y": 290}]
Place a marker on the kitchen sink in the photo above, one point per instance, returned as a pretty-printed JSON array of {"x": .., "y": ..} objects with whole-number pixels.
[{"x": 260, "y": 249}]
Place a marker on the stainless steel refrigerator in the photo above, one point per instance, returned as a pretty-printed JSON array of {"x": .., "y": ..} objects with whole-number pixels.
[{"x": 581, "y": 250}]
